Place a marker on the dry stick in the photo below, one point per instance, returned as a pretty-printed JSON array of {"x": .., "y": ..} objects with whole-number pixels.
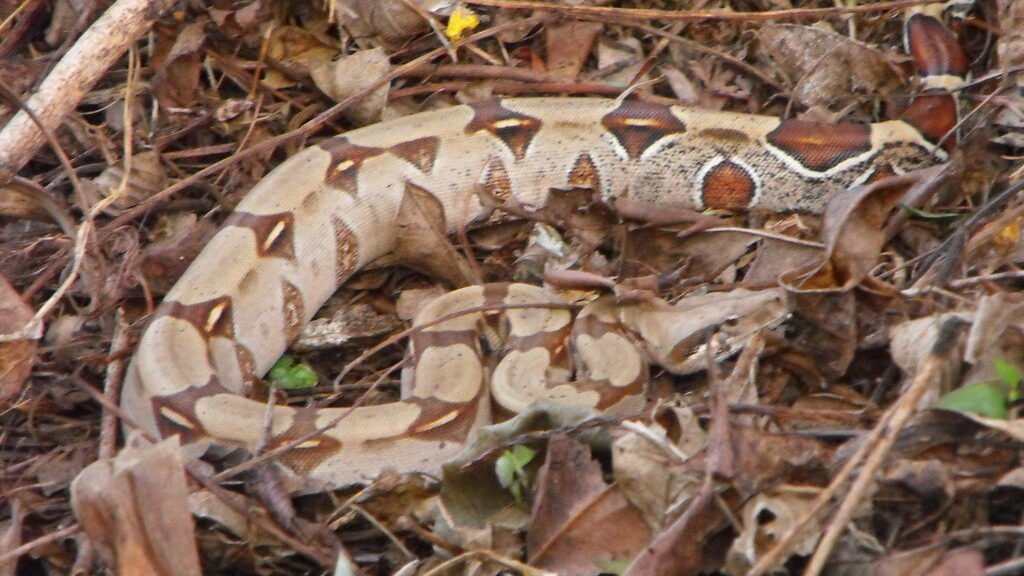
[
  {"x": 94, "y": 52},
  {"x": 695, "y": 15},
  {"x": 120, "y": 345},
  {"x": 13, "y": 553},
  {"x": 308, "y": 128},
  {"x": 875, "y": 446},
  {"x": 928, "y": 372}
]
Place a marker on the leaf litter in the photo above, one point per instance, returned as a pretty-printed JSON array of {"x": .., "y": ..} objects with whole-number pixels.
[{"x": 818, "y": 330}]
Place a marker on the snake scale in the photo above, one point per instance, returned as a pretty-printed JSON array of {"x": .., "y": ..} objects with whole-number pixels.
[{"x": 331, "y": 209}]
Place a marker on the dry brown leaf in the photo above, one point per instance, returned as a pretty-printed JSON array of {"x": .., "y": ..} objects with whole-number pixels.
[
  {"x": 299, "y": 50},
  {"x": 626, "y": 58},
  {"x": 165, "y": 260},
  {"x": 674, "y": 336},
  {"x": 176, "y": 82},
  {"x": 768, "y": 517},
  {"x": 135, "y": 509},
  {"x": 353, "y": 322},
  {"x": 346, "y": 76},
  {"x": 775, "y": 257},
  {"x": 651, "y": 478},
  {"x": 146, "y": 179},
  {"x": 580, "y": 523},
  {"x": 384, "y": 22},
  {"x": 16, "y": 356},
  {"x": 932, "y": 561},
  {"x": 569, "y": 44},
  {"x": 471, "y": 495},
  {"x": 421, "y": 240},
  {"x": 853, "y": 68}
]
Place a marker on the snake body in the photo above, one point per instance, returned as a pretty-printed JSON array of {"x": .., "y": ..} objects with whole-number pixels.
[{"x": 331, "y": 209}]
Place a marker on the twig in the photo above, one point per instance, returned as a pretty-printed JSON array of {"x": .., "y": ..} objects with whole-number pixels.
[
  {"x": 697, "y": 15},
  {"x": 928, "y": 372},
  {"x": 875, "y": 446},
  {"x": 119, "y": 347},
  {"x": 41, "y": 541},
  {"x": 94, "y": 52}
]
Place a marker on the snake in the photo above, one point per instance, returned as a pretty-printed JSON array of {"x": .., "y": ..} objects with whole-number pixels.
[{"x": 330, "y": 210}]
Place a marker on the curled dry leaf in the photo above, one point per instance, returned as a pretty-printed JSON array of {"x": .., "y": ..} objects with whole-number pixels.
[
  {"x": 348, "y": 75},
  {"x": 853, "y": 68},
  {"x": 649, "y": 473},
  {"x": 135, "y": 509},
  {"x": 471, "y": 495},
  {"x": 176, "y": 83},
  {"x": 674, "y": 335},
  {"x": 165, "y": 260},
  {"x": 820, "y": 293},
  {"x": 384, "y": 22},
  {"x": 16, "y": 356},
  {"x": 767, "y": 518},
  {"x": 299, "y": 50},
  {"x": 146, "y": 179},
  {"x": 421, "y": 240},
  {"x": 580, "y": 524},
  {"x": 568, "y": 46},
  {"x": 353, "y": 322}
]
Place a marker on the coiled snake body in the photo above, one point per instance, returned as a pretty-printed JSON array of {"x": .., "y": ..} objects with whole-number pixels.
[{"x": 327, "y": 211}]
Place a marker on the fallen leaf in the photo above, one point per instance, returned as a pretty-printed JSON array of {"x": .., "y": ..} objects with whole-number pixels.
[
  {"x": 16, "y": 356},
  {"x": 146, "y": 179},
  {"x": 135, "y": 509},
  {"x": 353, "y": 322},
  {"x": 569, "y": 45},
  {"x": 854, "y": 68},
  {"x": 176, "y": 82},
  {"x": 766, "y": 519},
  {"x": 350, "y": 74},
  {"x": 421, "y": 240},
  {"x": 579, "y": 522}
]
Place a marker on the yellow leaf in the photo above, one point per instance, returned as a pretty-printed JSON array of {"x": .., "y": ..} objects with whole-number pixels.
[
  {"x": 462, "y": 19},
  {"x": 1009, "y": 235}
]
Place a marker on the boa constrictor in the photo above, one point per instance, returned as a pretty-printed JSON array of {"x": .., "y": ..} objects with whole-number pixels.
[{"x": 331, "y": 209}]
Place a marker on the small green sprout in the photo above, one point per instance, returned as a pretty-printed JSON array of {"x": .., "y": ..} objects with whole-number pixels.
[
  {"x": 291, "y": 375},
  {"x": 511, "y": 470}
]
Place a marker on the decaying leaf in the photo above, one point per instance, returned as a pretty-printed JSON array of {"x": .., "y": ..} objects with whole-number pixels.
[
  {"x": 768, "y": 517},
  {"x": 176, "y": 83},
  {"x": 346, "y": 76},
  {"x": 135, "y": 510},
  {"x": 569, "y": 44},
  {"x": 853, "y": 68},
  {"x": 147, "y": 178},
  {"x": 579, "y": 522},
  {"x": 421, "y": 241},
  {"x": 298, "y": 49},
  {"x": 16, "y": 356},
  {"x": 358, "y": 321},
  {"x": 471, "y": 494},
  {"x": 384, "y": 22},
  {"x": 165, "y": 260},
  {"x": 674, "y": 335},
  {"x": 651, "y": 476}
]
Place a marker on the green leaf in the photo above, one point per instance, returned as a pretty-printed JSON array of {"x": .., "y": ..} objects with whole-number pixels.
[
  {"x": 523, "y": 455},
  {"x": 1008, "y": 373},
  {"x": 510, "y": 468},
  {"x": 934, "y": 216},
  {"x": 613, "y": 566},
  {"x": 289, "y": 375},
  {"x": 988, "y": 400}
]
